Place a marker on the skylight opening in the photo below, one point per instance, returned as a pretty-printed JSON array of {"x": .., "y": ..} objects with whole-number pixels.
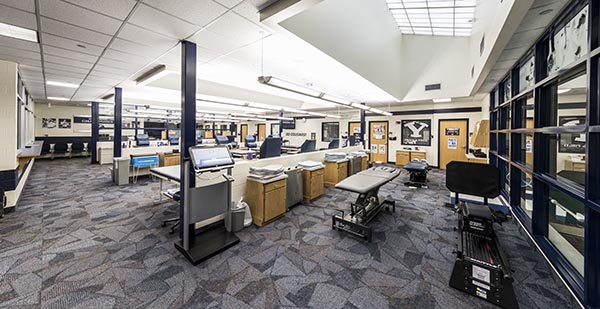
[{"x": 434, "y": 17}]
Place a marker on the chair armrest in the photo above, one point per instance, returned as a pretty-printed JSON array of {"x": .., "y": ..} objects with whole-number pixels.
[
  {"x": 52, "y": 148},
  {"x": 85, "y": 147},
  {"x": 69, "y": 147}
]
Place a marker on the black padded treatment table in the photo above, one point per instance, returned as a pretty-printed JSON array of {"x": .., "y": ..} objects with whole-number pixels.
[
  {"x": 367, "y": 206},
  {"x": 418, "y": 173}
]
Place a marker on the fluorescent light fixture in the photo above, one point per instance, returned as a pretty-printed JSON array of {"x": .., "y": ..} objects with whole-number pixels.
[
  {"x": 561, "y": 91},
  {"x": 18, "y": 32},
  {"x": 61, "y": 84},
  {"x": 443, "y": 100},
  {"x": 360, "y": 106},
  {"x": 381, "y": 112},
  {"x": 152, "y": 75},
  {"x": 281, "y": 84},
  {"x": 335, "y": 99},
  {"x": 58, "y": 99}
]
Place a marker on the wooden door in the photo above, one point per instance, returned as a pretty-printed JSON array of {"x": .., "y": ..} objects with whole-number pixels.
[
  {"x": 244, "y": 132},
  {"x": 262, "y": 131},
  {"x": 452, "y": 143},
  {"x": 378, "y": 141},
  {"x": 353, "y": 127}
]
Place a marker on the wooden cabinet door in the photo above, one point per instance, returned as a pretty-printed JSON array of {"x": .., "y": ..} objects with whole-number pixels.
[
  {"x": 316, "y": 188},
  {"x": 378, "y": 139},
  {"x": 274, "y": 203},
  {"x": 452, "y": 141},
  {"x": 402, "y": 157}
]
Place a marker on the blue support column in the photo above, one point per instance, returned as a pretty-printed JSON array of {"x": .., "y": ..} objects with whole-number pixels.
[
  {"x": 188, "y": 120},
  {"x": 232, "y": 129},
  {"x": 118, "y": 122},
  {"x": 281, "y": 124},
  {"x": 136, "y": 124},
  {"x": 363, "y": 125},
  {"x": 95, "y": 131}
]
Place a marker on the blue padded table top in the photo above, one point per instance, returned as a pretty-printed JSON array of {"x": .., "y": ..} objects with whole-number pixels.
[{"x": 416, "y": 166}]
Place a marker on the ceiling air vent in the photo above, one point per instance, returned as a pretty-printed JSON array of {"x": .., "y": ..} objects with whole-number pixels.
[{"x": 433, "y": 87}]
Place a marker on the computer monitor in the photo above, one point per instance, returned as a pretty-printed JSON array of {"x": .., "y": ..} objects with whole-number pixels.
[
  {"x": 271, "y": 147},
  {"x": 309, "y": 145},
  {"x": 204, "y": 157}
]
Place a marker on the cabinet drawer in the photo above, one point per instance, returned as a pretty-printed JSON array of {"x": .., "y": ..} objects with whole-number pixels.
[
  {"x": 317, "y": 172},
  {"x": 275, "y": 185},
  {"x": 417, "y": 155}
]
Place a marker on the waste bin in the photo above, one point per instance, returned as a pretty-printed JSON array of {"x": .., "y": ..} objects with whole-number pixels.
[
  {"x": 236, "y": 222},
  {"x": 121, "y": 171}
]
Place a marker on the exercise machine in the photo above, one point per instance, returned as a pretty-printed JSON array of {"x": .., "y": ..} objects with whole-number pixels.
[
  {"x": 208, "y": 199},
  {"x": 481, "y": 267},
  {"x": 367, "y": 205},
  {"x": 417, "y": 173}
]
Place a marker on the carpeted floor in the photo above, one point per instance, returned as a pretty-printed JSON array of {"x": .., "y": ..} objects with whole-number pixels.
[{"x": 77, "y": 241}]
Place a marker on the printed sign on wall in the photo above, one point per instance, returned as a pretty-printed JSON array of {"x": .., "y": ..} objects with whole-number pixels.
[
  {"x": 452, "y": 143},
  {"x": 571, "y": 142},
  {"x": 64, "y": 123},
  {"x": 381, "y": 149},
  {"x": 452, "y": 131},
  {"x": 416, "y": 132},
  {"x": 49, "y": 123}
]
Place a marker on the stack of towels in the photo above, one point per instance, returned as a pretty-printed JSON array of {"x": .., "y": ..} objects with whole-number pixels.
[
  {"x": 266, "y": 172},
  {"x": 310, "y": 164},
  {"x": 335, "y": 156},
  {"x": 358, "y": 154}
]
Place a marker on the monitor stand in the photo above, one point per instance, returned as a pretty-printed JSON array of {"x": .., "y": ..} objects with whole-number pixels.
[{"x": 208, "y": 244}]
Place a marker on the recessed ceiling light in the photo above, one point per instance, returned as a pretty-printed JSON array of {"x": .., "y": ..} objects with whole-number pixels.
[
  {"x": 546, "y": 12},
  {"x": 443, "y": 100},
  {"x": 18, "y": 32},
  {"x": 58, "y": 99},
  {"x": 61, "y": 84}
]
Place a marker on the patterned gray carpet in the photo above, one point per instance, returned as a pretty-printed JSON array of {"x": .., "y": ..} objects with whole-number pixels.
[{"x": 76, "y": 241}]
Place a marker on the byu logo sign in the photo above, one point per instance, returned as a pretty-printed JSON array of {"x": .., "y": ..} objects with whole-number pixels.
[{"x": 416, "y": 132}]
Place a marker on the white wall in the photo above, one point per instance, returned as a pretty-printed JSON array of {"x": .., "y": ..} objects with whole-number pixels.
[
  {"x": 61, "y": 111},
  {"x": 8, "y": 115}
]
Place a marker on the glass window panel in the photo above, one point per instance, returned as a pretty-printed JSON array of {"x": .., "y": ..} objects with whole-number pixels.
[
  {"x": 567, "y": 158},
  {"x": 330, "y": 130},
  {"x": 572, "y": 97},
  {"x": 566, "y": 226},
  {"x": 526, "y": 190},
  {"x": 526, "y": 75},
  {"x": 527, "y": 149},
  {"x": 569, "y": 43},
  {"x": 506, "y": 90}
]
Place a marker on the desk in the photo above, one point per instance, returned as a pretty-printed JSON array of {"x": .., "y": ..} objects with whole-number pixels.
[
  {"x": 26, "y": 154},
  {"x": 473, "y": 159},
  {"x": 239, "y": 153},
  {"x": 168, "y": 159},
  {"x": 168, "y": 173},
  {"x": 575, "y": 164},
  {"x": 290, "y": 149}
]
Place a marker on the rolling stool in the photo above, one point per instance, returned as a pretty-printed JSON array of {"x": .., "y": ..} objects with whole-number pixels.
[{"x": 176, "y": 197}]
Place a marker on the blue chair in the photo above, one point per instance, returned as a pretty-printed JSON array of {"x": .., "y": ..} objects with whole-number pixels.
[
  {"x": 309, "y": 145},
  {"x": 334, "y": 144},
  {"x": 142, "y": 140},
  {"x": 250, "y": 141},
  {"x": 270, "y": 148},
  {"x": 222, "y": 140}
]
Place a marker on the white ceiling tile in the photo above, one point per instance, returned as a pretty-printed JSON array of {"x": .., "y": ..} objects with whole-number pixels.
[
  {"x": 49, "y": 65},
  {"x": 214, "y": 42},
  {"x": 16, "y": 17},
  {"x": 237, "y": 29},
  {"x": 120, "y": 64},
  {"x": 101, "y": 69},
  {"x": 62, "y": 79},
  {"x": 196, "y": 12},
  {"x": 115, "y": 8},
  {"x": 78, "y": 16},
  {"x": 19, "y": 53},
  {"x": 27, "y": 5},
  {"x": 60, "y": 92},
  {"x": 150, "y": 39},
  {"x": 248, "y": 11},
  {"x": 75, "y": 33},
  {"x": 229, "y": 3},
  {"x": 128, "y": 47},
  {"x": 65, "y": 53},
  {"x": 67, "y": 61},
  {"x": 162, "y": 23},
  {"x": 56, "y": 41},
  {"x": 126, "y": 57},
  {"x": 20, "y": 44}
]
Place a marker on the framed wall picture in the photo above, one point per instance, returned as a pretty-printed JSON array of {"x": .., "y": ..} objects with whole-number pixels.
[
  {"x": 416, "y": 132},
  {"x": 64, "y": 123},
  {"x": 49, "y": 123},
  {"x": 571, "y": 142}
]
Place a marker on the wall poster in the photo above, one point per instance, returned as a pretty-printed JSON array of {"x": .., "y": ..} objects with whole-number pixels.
[
  {"x": 416, "y": 132},
  {"x": 64, "y": 123},
  {"x": 452, "y": 131},
  {"x": 381, "y": 149},
  {"x": 452, "y": 143},
  {"x": 571, "y": 142},
  {"x": 49, "y": 123},
  {"x": 373, "y": 148},
  {"x": 378, "y": 131}
]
